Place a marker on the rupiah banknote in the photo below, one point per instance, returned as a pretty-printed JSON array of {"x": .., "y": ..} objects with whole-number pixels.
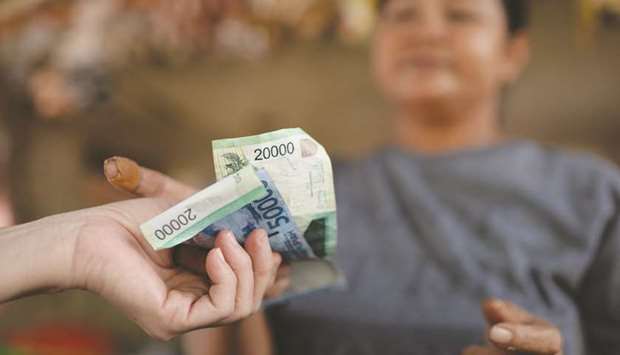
[
  {"x": 269, "y": 213},
  {"x": 300, "y": 168},
  {"x": 280, "y": 181},
  {"x": 240, "y": 203},
  {"x": 192, "y": 215}
]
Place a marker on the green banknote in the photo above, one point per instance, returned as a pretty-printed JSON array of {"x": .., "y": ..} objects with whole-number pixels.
[
  {"x": 302, "y": 172},
  {"x": 191, "y": 216}
]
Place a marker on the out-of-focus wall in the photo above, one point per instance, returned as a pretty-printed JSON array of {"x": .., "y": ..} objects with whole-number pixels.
[{"x": 570, "y": 93}]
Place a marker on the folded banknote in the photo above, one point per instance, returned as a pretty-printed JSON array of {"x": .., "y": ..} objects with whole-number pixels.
[
  {"x": 300, "y": 168},
  {"x": 189, "y": 217},
  {"x": 269, "y": 213},
  {"x": 239, "y": 203},
  {"x": 281, "y": 182}
]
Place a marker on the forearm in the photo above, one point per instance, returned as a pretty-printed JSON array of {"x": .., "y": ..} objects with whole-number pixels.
[
  {"x": 250, "y": 336},
  {"x": 37, "y": 257},
  {"x": 211, "y": 341},
  {"x": 255, "y": 336}
]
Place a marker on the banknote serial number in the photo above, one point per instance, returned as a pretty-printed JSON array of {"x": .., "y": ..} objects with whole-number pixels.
[
  {"x": 175, "y": 224},
  {"x": 271, "y": 212},
  {"x": 274, "y": 151}
]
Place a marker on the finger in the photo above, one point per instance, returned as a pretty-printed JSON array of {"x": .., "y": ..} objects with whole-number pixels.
[
  {"x": 480, "y": 350},
  {"x": 281, "y": 282},
  {"x": 284, "y": 272},
  {"x": 241, "y": 263},
  {"x": 264, "y": 263},
  {"x": 497, "y": 311},
  {"x": 535, "y": 338},
  {"x": 190, "y": 258},
  {"x": 219, "y": 303},
  {"x": 125, "y": 174},
  {"x": 279, "y": 286}
]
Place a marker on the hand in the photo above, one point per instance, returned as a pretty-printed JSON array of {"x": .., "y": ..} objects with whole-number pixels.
[
  {"x": 513, "y": 330},
  {"x": 102, "y": 250},
  {"x": 113, "y": 260},
  {"x": 128, "y": 176}
]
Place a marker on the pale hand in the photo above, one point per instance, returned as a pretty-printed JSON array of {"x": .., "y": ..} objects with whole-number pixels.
[
  {"x": 102, "y": 250},
  {"x": 113, "y": 260}
]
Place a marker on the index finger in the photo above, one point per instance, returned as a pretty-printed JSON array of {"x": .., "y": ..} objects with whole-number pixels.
[
  {"x": 497, "y": 311},
  {"x": 125, "y": 174}
]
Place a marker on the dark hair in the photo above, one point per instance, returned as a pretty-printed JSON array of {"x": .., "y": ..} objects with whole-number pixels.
[{"x": 517, "y": 13}]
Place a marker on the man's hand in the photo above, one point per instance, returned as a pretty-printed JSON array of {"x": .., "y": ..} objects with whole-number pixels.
[{"x": 512, "y": 330}]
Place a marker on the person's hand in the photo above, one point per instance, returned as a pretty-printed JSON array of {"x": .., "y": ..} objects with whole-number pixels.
[
  {"x": 512, "y": 330},
  {"x": 126, "y": 175},
  {"x": 112, "y": 259},
  {"x": 102, "y": 250}
]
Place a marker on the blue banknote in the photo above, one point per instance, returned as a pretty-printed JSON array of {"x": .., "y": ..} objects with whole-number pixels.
[{"x": 269, "y": 213}]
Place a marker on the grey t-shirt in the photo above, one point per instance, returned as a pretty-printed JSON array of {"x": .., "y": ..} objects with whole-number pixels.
[{"x": 422, "y": 240}]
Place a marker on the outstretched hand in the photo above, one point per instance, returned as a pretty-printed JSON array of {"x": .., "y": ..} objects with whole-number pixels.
[
  {"x": 112, "y": 259},
  {"x": 513, "y": 330},
  {"x": 102, "y": 250}
]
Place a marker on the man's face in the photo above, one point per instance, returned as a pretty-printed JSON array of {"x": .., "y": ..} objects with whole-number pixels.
[{"x": 442, "y": 49}]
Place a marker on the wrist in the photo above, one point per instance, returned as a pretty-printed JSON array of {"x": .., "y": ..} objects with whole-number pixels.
[{"x": 38, "y": 256}]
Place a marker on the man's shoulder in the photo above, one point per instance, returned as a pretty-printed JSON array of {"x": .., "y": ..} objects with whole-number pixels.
[
  {"x": 578, "y": 166},
  {"x": 360, "y": 166}
]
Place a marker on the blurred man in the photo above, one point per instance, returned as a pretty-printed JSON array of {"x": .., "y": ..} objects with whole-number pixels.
[{"x": 454, "y": 213}]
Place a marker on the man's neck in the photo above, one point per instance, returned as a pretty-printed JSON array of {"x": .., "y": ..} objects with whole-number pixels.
[{"x": 436, "y": 130}]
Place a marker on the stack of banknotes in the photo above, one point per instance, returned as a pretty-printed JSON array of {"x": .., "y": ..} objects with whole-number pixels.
[{"x": 280, "y": 181}]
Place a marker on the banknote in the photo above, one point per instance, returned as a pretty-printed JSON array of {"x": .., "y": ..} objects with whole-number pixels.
[
  {"x": 300, "y": 168},
  {"x": 191, "y": 216},
  {"x": 269, "y": 213}
]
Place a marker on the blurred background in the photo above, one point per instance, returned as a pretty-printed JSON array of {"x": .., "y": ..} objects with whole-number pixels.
[{"x": 157, "y": 80}]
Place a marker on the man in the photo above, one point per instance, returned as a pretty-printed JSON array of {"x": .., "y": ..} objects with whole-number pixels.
[{"x": 455, "y": 213}]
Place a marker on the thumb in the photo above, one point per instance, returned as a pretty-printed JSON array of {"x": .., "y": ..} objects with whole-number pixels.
[
  {"x": 125, "y": 174},
  {"x": 535, "y": 338}
]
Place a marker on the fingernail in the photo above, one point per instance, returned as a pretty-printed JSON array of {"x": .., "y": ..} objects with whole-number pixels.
[
  {"x": 123, "y": 173},
  {"x": 110, "y": 169},
  {"x": 500, "y": 335}
]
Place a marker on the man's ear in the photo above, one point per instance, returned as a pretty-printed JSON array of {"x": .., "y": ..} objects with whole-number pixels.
[{"x": 517, "y": 56}]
